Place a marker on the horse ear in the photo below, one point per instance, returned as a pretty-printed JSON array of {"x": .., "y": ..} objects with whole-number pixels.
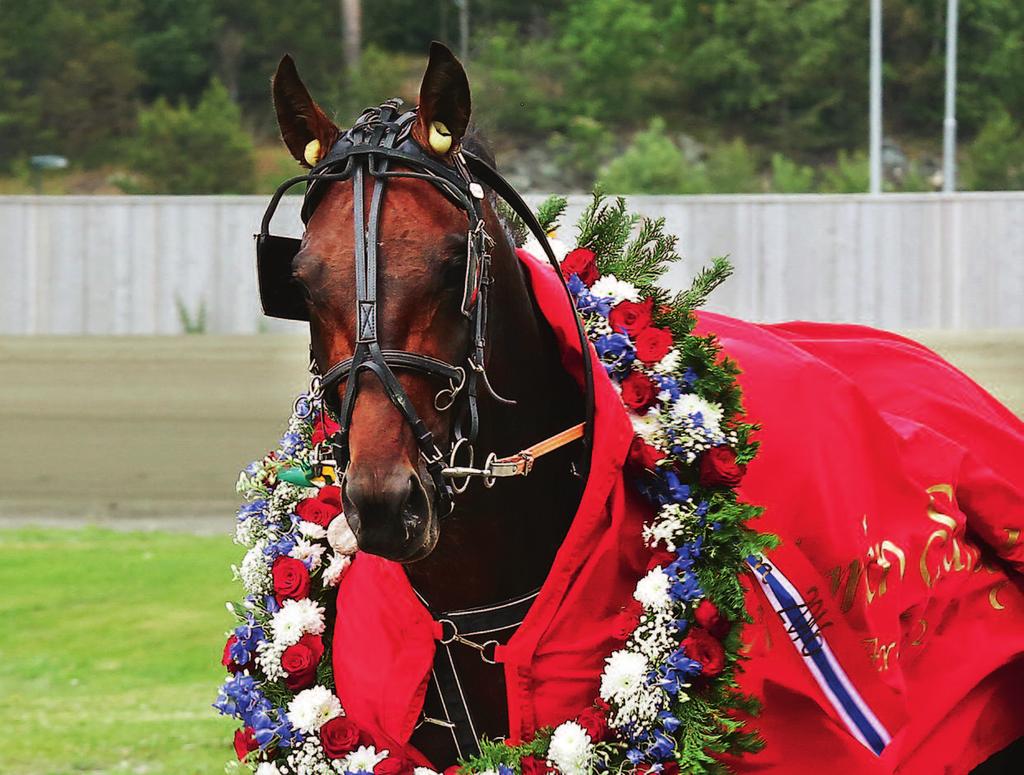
[
  {"x": 305, "y": 128},
  {"x": 444, "y": 102}
]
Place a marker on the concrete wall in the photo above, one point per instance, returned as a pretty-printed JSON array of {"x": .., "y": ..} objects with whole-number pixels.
[{"x": 119, "y": 265}]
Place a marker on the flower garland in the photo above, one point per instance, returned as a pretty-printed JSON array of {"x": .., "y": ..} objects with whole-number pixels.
[{"x": 667, "y": 697}]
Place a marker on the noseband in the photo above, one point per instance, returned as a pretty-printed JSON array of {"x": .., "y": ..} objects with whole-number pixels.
[{"x": 381, "y": 137}]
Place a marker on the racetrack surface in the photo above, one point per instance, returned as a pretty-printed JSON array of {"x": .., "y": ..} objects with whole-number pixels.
[{"x": 145, "y": 432}]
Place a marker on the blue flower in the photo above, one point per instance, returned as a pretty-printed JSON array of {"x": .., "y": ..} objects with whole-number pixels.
[
  {"x": 685, "y": 587},
  {"x": 505, "y": 770},
  {"x": 256, "y": 508},
  {"x": 663, "y": 746},
  {"x": 270, "y": 603},
  {"x": 253, "y": 468},
  {"x": 689, "y": 377},
  {"x": 634, "y": 756},
  {"x": 668, "y": 721},
  {"x": 616, "y": 352},
  {"x": 669, "y": 384},
  {"x": 291, "y": 443},
  {"x": 677, "y": 491},
  {"x": 282, "y": 547}
]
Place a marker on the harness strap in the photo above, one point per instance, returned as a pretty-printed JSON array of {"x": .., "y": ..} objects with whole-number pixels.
[
  {"x": 456, "y": 629},
  {"x": 521, "y": 463}
]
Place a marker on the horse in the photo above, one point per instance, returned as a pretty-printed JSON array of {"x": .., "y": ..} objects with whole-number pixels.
[
  {"x": 493, "y": 544},
  {"x": 497, "y": 543}
]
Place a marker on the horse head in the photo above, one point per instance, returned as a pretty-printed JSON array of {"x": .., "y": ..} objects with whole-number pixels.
[{"x": 417, "y": 283}]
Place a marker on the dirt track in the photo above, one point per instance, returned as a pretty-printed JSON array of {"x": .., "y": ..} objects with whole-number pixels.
[{"x": 153, "y": 431}]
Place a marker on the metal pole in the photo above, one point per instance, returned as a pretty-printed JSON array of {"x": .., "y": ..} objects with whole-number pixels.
[
  {"x": 875, "y": 119},
  {"x": 463, "y": 29},
  {"x": 949, "y": 123}
]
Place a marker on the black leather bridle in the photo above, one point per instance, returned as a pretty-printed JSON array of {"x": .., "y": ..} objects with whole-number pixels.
[{"x": 380, "y": 138}]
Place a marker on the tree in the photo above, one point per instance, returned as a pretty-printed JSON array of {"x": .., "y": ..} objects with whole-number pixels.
[
  {"x": 995, "y": 160},
  {"x": 653, "y": 164},
  {"x": 180, "y": 150}
]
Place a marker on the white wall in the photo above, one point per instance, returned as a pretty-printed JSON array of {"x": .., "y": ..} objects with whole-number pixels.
[{"x": 115, "y": 265}]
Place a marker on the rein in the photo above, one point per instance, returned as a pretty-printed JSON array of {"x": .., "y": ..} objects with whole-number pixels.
[{"x": 379, "y": 138}]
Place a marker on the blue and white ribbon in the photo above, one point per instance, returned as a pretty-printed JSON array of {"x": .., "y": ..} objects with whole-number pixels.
[{"x": 810, "y": 643}]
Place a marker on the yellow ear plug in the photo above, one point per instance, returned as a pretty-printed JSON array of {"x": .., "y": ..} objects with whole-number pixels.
[
  {"x": 312, "y": 152},
  {"x": 440, "y": 137}
]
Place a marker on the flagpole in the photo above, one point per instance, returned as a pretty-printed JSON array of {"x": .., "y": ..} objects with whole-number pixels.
[
  {"x": 949, "y": 123},
  {"x": 875, "y": 117}
]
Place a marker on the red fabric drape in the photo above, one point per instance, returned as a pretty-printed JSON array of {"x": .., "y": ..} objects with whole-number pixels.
[{"x": 895, "y": 484}]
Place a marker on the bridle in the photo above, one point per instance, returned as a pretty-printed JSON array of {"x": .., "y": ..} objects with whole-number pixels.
[{"x": 380, "y": 138}]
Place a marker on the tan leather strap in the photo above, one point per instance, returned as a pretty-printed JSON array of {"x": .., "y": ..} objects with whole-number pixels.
[{"x": 521, "y": 463}]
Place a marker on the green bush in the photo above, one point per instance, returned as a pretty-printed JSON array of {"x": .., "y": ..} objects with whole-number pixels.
[
  {"x": 995, "y": 160},
  {"x": 851, "y": 175},
  {"x": 181, "y": 150},
  {"x": 581, "y": 149},
  {"x": 732, "y": 169},
  {"x": 789, "y": 177},
  {"x": 653, "y": 164}
]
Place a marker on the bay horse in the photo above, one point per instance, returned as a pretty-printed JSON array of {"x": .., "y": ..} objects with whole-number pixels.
[
  {"x": 398, "y": 278},
  {"x": 498, "y": 543}
]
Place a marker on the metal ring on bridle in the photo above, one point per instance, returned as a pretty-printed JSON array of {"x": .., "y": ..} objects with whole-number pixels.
[
  {"x": 303, "y": 406},
  {"x": 489, "y": 480},
  {"x": 445, "y": 398},
  {"x": 457, "y": 485}
]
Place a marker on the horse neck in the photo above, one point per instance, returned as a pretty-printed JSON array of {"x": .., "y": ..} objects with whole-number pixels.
[{"x": 500, "y": 542}]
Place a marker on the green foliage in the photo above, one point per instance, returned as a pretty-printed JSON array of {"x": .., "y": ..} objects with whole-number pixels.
[
  {"x": 550, "y": 212},
  {"x": 850, "y": 175},
  {"x": 995, "y": 160},
  {"x": 176, "y": 47},
  {"x": 788, "y": 177},
  {"x": 581, "y": 149},
  {"x": 731, "y": 169},
  {"x": 181, "y": 150},
  {"x": 653, "y": 164},
  {"x": 191, "y": 324}
]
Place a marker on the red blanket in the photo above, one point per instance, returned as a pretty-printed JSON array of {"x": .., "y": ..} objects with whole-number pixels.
[{"x": 895, "y": 484}]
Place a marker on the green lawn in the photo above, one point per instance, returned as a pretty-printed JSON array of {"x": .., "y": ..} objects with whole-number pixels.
[{"x": 109, "y": 653}]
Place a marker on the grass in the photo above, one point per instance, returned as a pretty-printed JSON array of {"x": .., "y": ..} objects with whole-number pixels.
[{"x": 110, "y": 652}]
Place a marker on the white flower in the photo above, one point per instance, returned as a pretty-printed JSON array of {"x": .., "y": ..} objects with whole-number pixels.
[
  {"x": 669, "y": 363},
  {"x": 652, "y": 589},
  {"x": 610, "y": 285},
  {"x": 646, "y": 426},
  {"x": 711, "y": 414},
  {"x": 312, "y": 530},
  {"x": 336, "y": 569},
  {"x": 558, "y": 247},
  {"x": 624, "y": 674},
  {"x": 304, "y": 550},
  {"x": 571, "y": 749},
  {"x": 311, "y": 709},
  {"x": 424, "y": 771},
  {"x": 295, "y": 619},
  {"x": 267, "y": 768},
  {"x": 340, "y": 536},
  {"x": 363, "y": 759},
  {"x": 255, "y": 571}
]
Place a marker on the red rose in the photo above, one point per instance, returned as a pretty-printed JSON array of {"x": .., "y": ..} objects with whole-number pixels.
[
  {"x": 317, "y": 510},
  {"x": 451, "y": 770},
  {"x": 330, "y": 495},
  {"x": 628, "y": 619},
  {"x": 643, "y": 455},
  {"x": 300, "y": 661},
  {"x": 582, "y": 263},
  {"x": 245, "y": 742},
  {"x": 339, "y": 737},
  {"x": 660, "y": 557},
  {"x": 595, "y": 723},
  {"x": 226, "y": 660},
  {"x": 531, "y": 765},
  {"x": 291, "y": 579},
  {"x": 718, "y": 467},
  {"x": 325, "y": 428},
  {"x": 638, "y": 392},
  {"x": 631, "y": 317},
  {"x": 229, "y": 663},
  {"x": 710, "y": 618},
  {"x": 653, "y": 344},
  {"x": 393, "y": 765},
  {"x": 702, "y": 646}
]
